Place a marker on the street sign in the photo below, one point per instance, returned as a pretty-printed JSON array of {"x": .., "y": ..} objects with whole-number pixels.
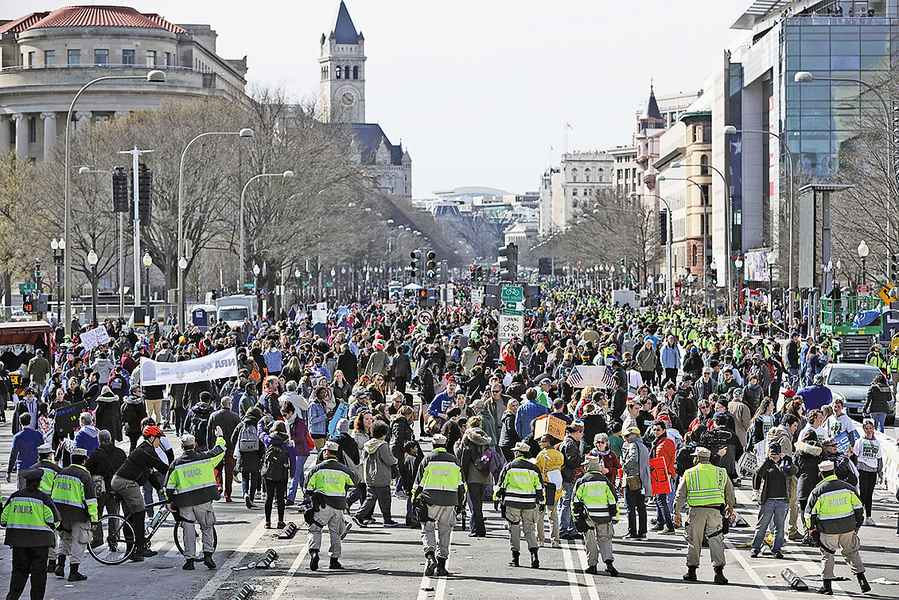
[
  {"x": 248, "y": 286},
  {"x": 27, "y": 287},
  {"x": 510, "y": 326},
  {"x": 477, "y": 296},
  {"x": 512, "y": 294}
]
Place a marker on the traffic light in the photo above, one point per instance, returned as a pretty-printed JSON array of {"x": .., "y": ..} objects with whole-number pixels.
[
  {"x": 508, "y": 262},
  {"x": 28, "y": 303},
  {"x": 663, "y": 226},
  {"x": 431, "y": 265},
  {"x": 415, "y": 255},
  {"x": 121, "y": 193},
  {"x": 894, "y": 266},
  {"x": 144, "y": 186},
  {"x": 423, "y": 297}
]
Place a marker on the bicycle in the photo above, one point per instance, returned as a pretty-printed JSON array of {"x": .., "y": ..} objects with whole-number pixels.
[{"x": 119, "y": 543}]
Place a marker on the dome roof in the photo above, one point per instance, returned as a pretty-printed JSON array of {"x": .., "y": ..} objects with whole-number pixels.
[{"x": 99, "y": 16}]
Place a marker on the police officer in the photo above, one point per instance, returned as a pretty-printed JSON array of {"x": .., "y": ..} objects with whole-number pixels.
[
  {"x": 191, "y": 488},
  {"x": 438, "y": 489},
  {"x": 708, "y": 491},
  {"x": 520, "y": 490},
  {"x": 835, "y": 514},
  {"x": 30, "y": 518},
  {"x": 49, "y": 470},
  {"x": 74, "y": 496},
  {"x": 327, "y": 486},
  {"x": 595, "y": 506}
]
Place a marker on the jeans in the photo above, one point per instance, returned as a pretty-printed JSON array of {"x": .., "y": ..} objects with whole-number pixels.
[
  {"x": 250, "y": 482},
  {"x": 636, "y": 511},
  {"x": 298, "y": 477},
  {"x": 379, "y": 495},
  {"x": 663, "y": 512},
  {"x": 224, "y": 475},
  {"x": 567, "y": 524},
  {"x": 776, "y": 510},
  {"x": 476, "y": 502},
  {"x": 880, "y": 420}
]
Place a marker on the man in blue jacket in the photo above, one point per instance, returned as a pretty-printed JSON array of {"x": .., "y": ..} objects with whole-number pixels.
[
  {"x": 444, "y": 400},
  {"x": 24, "y": 449},
  {"x": 529, "y": 410}
]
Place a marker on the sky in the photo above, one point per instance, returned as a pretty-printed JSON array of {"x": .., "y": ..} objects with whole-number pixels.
[{"x": 478, "y": 91}]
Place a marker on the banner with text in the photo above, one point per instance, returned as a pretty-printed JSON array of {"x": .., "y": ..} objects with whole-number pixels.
[
  {"x": 219, "y": 365},
  {"x": 95, "y": 337}
]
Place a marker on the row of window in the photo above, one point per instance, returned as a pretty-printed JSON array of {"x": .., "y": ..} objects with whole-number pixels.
[
  {"x": 587, "y": 173},
  {"x": 101, "y": 57},
  {"x": 341, "y": 72}
]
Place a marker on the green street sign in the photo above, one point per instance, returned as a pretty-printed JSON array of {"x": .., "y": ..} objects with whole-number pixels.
[
  {"x": 248, "y": 286},
  {"x": 27, "y": 288},
  {"x": 511, "y": 294}
]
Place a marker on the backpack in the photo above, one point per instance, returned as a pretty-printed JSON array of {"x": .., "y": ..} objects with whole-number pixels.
[
  {"x": 276, "y": 463},
  {"x": 485, "y": 461},
  {"x": 248, "y": 441}
]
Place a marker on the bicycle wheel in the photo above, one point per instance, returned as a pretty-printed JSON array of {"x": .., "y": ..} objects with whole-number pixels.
[
  {"x": 179, "y": 540},
  {"x": 115, "y": 533}
]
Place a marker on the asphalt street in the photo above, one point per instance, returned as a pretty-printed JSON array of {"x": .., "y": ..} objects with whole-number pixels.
[{"x": 388, "y": 563}]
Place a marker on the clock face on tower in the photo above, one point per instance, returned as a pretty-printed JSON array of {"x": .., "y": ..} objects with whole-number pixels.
[{"x": 348, "y": 99}]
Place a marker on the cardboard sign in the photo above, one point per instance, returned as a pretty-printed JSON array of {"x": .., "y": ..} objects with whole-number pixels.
[
  {"x": 66, "y": 417},
  {"x": 658, "y": 473},
  {"x": 549, "y": 425}
]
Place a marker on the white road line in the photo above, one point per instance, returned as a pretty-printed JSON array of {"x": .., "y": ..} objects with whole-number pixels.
[
  {"x": 440, "y": 592},
  {"x": 224, "y": 571},
  {"x": 573, "y": 585},
  {"x": 285, "y": 579},
  {"x": 751, "y": 572},
  {"x": 581, "y": 551},
  {"x": 436, "y": 585}
]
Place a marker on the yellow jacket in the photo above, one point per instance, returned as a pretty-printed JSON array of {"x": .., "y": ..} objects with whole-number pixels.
[{"x": 550, "y": 459}]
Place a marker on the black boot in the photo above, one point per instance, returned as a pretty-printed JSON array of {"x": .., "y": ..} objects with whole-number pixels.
[
  {"x": 74, "y": 575},
  {"x": 863, "y": 583},
  {"x": 188, "y": 565},
  {"x": 610, "y": 568},
  {"x": 690, "y": 575},
  {"x": 720, "y": 579},
  {"x": 207, "y": 560},
  {"x": 441, "y": 571},
  {"x": 60, "y": 570},
  {"x": 591, "y": 570},
  {"x": 51, "y": 565},
  {"x": 313, "y": 560},
  {"x": 334, "y": 564},
  {"x": 514, "y": 561},
  {"x": 535, "y": 561},
  {"x": 826, "y": 588},
  {"x": 430, "y": 565}
]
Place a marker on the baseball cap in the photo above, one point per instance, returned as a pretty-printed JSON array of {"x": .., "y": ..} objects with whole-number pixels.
[
  {"x": 702, "y": 452},
  {"x": 521, "y": 447},
  {"x": 331, "y": 446},
  {"x": 632, "y": 431},
  {"x": 439, "y": 439}
]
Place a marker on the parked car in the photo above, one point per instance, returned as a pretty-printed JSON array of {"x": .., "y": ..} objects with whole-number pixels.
[{"x": 850, "y": 382}]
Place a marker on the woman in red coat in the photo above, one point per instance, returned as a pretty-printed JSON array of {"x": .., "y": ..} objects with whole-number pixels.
[{"x": 663, "y": 447}]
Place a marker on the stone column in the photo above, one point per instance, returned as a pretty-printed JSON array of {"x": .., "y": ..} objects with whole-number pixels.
[
  {"x": 21, "y": 135},
  {"x": 82, "y": 120},
  {"x": 49, "y": 133},
  {"x": 4, "y": 135}
]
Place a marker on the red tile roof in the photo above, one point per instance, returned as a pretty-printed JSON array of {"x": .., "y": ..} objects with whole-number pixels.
[
  {"x": 102, "y": 16},
  {"x": 22, "y": 23}
]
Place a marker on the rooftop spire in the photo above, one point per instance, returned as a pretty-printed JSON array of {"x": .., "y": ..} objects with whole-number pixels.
[
  {"x": 652, "y": 109},
  {"x": 344, "y": 31}
]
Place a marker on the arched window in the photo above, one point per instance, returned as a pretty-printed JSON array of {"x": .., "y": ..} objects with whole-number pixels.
[
  {"x": 587, "y": 174},
  {"x": 599, "y": 175},
  {"x": 704, "y": 165},
  {"x": 355, "y": 72},
  {"x": 574, "y": 192},
  {"x": 339, "y": 71},
  {"x": 574, "y": 175}
]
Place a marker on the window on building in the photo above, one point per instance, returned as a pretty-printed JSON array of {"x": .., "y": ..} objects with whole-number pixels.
[
  {"x": 694, "y": 258},
  {"x": 151, "y": 58},
  {"x": 101, "y": 56},
  {"x": 30, "y": 60},
  {"x": 695, "y": 130},
  {"x": 32, "y": 130},
  {"x": 355, "y": 72},
  {"x": 169, "y": 59},
  {"x": 127, "y": 57},
  {"x": 574, "y": 175},
  {"x": 574, "y": 192},
  {"x": 49, "y": 58},
  {"x": 600, "y": 174},
  {"x": 704, "y": 164},
  {"x": 587, "y": 174},
  {"x": 339, "y": 71},
  {"x": 73, "y": 57}
]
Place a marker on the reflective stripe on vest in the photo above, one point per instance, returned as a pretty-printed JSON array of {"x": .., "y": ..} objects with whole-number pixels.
[
  {"x": 705, "y": 485},
  {"x": 441, "y": 475},
  {"x": 596, "y": 497},
  {"x": 47, "y": 480},
  {"x": 28, "y": 513},
  {"x": 837, "y": 504},
  {"x": 194, "y": 475},
  {"x": 521, "y": 484},
  {"x": 68, "y": 490},
  {"x": 330, "y": 482}
]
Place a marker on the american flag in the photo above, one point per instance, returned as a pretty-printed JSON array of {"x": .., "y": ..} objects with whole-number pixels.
[
  {"x": 574, "y": 378},
  {"x": 601, "y": 377}
]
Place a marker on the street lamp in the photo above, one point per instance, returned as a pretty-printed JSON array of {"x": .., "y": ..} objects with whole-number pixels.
[
  {"x": 182, "y": 251},
  {"x": 59, "y": 250},
  {"x": 148, "y": 262},
  {"x": 243, "y": 192},
  {"x": 731, "y": 130},
  {"x": 256, "y": 271},
  {"x": 771, "y": 259},
  {"x": 669, "y": 242},
  {"x": 739, "y": 265},
  {"x": 92, "y": 260},
  {"x": 154, "y": 76},
  {"x": 863, "y": 252},
  {"x": 706, "y": 214}
]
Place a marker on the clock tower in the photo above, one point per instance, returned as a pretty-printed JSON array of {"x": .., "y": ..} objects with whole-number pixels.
[{"x": 342, "y": 62}]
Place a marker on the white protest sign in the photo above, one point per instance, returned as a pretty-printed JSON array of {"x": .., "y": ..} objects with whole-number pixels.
[
  {"x": 95, "y": 337},
  {"x": 219, "y": 365},
  {"x": 510, "y": 326},
  {"x": 390, "y": 307},
  {"x": 321, "y": 306},
  {"x": 319, "y": 316},
  {"x": 582, "y": 376}
]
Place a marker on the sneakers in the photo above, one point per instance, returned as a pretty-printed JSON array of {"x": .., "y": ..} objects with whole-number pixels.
[
  {"x": 669, "y": 531},
  {"x": 755, "y": 552},
  {"x": 360, "y": 522},
  {"x": 391, "y": 524},
  {"x": 778, "y": 554}
]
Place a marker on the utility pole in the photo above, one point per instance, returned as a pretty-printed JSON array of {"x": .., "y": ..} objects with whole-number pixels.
[{"x": 135, "y": 190}]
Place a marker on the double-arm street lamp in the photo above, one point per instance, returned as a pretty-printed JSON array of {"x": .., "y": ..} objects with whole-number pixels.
[
  {"x": 182, "y": 251},
  {"x": 863, "y": 252},
  {"x": 148, "y": 262},
  {"x": 59, "y": 250},
  {"x": 241, "y": 266},
  {"x": 92, "y": 260},
  {"x": 154, "y": 76}
]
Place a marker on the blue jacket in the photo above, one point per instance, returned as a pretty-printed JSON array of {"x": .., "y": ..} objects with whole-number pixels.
[
  {"x": 526, "y": 414},
  {"x": 88, "y": 438},
  {"x": 24, "y": 449},
  {"x": 670, "y": 357},
  {"x": 440, "y": 404},
  {"x": 318, "y": 420},
  {"x": 815, "y": 396}
]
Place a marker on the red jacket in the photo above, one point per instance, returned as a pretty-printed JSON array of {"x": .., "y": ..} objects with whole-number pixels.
[{"x": 664, "y": 447}]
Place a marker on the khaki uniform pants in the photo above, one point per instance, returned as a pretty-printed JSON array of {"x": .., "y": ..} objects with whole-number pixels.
[
  {"x": 793, "y": 501},
  {"x": 73, "y": 543},
  {"x": 154, "y": 409},
  {"x": 435, "y": 532},
  {"x": 522, "y": 519},
  {"x": 849, "y": 544},
  {"x": 703, "y": 522},
  {"x": 553, "y": 523},
  {"x": 329, "y": 517},
  {"x": 598, "y": 539},
  {"x": 201, "y": 516}
]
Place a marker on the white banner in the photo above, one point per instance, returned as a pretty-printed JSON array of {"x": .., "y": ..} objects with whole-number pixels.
[
  {"x": 219, "y": 365},
  {"x": 95, "y": 337},
  {"x": 510, "y": 326},
  {"x": 583, "y": 376},
  {"x": 319, "y": 316}
]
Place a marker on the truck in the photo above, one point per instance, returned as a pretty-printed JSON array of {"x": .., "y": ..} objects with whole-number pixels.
[{"x": 234, "y": 310}]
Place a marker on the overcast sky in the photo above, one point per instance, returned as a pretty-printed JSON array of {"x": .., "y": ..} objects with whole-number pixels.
[{"x": 478, "y": 90}]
